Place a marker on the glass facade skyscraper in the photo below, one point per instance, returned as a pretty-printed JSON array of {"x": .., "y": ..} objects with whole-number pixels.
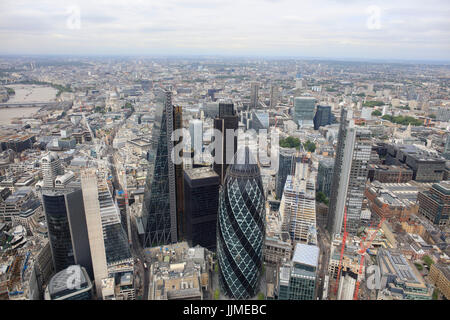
[
  {"x": 241, "y": 228},
  {"x": 349, "y": 176},
  {"x": 260, "y": 120},
  {"x": 159, "y": 215},
  {"x": 325, "y": 175},
  {"x": 201, "y": 199},
  {"x": 323, "y": 117},
  {"x": 304, "y": 108},
  {"x": 67, "y": 229},
  {"x": 298, "y": 278},
  {"x": 286, "y": 166},
  {"x": 227, "y": 120}
]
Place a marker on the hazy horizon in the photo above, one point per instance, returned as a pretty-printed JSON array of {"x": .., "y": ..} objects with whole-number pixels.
[{"x": 321, "y": 29}]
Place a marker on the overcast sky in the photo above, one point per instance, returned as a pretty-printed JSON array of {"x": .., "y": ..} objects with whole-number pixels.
[{"x": 394, "y": 29}]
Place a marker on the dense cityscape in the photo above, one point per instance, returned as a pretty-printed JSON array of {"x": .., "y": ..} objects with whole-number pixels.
[{"x": 332, "y": 185}]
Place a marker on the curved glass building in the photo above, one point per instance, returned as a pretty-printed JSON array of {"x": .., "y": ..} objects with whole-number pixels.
[{"x": 241, "y": 227}]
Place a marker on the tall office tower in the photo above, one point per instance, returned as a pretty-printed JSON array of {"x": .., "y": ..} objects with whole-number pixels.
[
  {"x": 260, "y": 120},
  {"x": 118, "y": 256},
  {"x": 300, "y": 83},
  {"x": 94, "y": 227},
  {"x": 117, "y": 245},
  {"x": 67, "y": 229},
  {"x": 349, "y": 176},
  {"x": 51, "y": 168},
  {"x": 72, "y": 283},
  {"x": 304, "y": 109},
  {"x": 159, "y": 210},
  {"x": 434, "y": 204},
  {"x": 179, "y": 178},
  {"x": 323, "y": 117},
  {"x": 325, "y": 175},
  {"x": 201, "y": 202},
  {"x": 298, "y": 205},
  {"x": 254, "y": 99},
  {"x": 347, "y": 284},
  {"x": 274, "y": 95},
  {"x": 286, "y": 166},
  {"x": 241, "y": 227},
  {"x": 227, "y": 120},
  {"x": 447, "y": 147},
  {"x": 196, "y": 133},
  {"x": 298, "y": 278}
]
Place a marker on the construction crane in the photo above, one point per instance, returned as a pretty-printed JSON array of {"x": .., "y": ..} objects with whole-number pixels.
[
  {"x": 362, "y": 253},
  {"x": 344, "y": 238}
]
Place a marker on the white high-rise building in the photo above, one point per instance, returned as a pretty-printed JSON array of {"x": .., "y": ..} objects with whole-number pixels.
[
  {"x": 274, "y": 95},
  {"x": 349, "y": 176},
  {"x": 196, "y": 133},
  {"x": 254, "y": 95},
  {"x": 300, "y": 83},
  {"x": 298, "y": 205},
  {"x": 94, "y": 226},
  {"x": 347, "y": 284},
  {"x": 51, "y": 168}
]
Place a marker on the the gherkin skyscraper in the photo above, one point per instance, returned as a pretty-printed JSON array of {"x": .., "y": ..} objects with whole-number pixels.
[{"x": 241, "y": 227}]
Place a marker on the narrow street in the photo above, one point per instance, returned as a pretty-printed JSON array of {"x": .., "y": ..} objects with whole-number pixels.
[{"x": 324, "y": 244}]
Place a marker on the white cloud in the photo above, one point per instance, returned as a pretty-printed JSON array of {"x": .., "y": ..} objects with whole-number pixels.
[{"x": 406, "y": 29}]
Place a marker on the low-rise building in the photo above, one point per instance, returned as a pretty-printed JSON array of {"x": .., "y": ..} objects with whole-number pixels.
[
  {"x": 440, "y": 276},
  {"x": 399, "y": 276},
  {"x": 180, "y": 273},
  {"x": 434, "y": 204},
  {"x": 390, "y": 174}
]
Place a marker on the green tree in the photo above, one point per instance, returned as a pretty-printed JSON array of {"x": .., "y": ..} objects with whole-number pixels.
[
  {"x": 216, "y": 294},
  {"x": 309, "y": 146},
  {"x": 428, "y": 261},
  {"x": 435, "y": 294},
  {"x": 290, "y": 142},
  {"x": 321, "y": 197},
  {"x": 373, "y": 104},
  {"x": 403, "y": 120},
  {"x": 376, "y": 113}
]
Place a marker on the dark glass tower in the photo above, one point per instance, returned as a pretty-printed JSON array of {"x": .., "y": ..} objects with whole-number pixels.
[
  {"x": 67, "y": 230},
  {"x": 241, "y": 228},
  {"x": 325, "y": 175},
  {"x": 323, "y": 117},
  {"x": 228, "y": 119},
  {"x": 286, "y": 166},
  {"x": 179, "y": 179},
  {"x": 159, "y": 215},
  {"x": 201, "y": 196}
]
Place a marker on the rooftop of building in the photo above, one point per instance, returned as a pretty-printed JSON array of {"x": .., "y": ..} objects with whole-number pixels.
[
  {"x": 420, "y": 153},
  {"x": 444, "y": 268},
  {"x": 391, "y": 168},
  {"x": 60, "y": 284},
  {"x": 18, "y": 195},
  {"x": 201, "y": 173},
  {"x": 393, "y": 262},
  {"x": 306, "y": 254},
  {"x": 443, "y": 186}
]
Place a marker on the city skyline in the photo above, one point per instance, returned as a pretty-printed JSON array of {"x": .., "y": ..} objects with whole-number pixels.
[{"x": 326, "y": 29}]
